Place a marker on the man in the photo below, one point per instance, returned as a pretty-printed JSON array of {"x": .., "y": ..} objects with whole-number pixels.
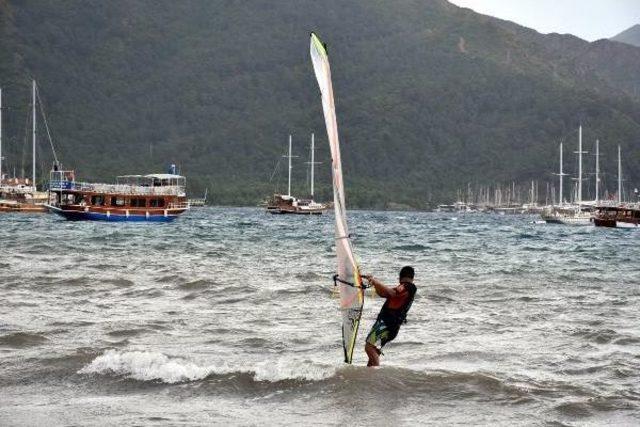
[{"x": 392, "y": 314}]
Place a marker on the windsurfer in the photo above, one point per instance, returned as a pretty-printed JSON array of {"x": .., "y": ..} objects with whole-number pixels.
[{"x": 392, "y": 314}]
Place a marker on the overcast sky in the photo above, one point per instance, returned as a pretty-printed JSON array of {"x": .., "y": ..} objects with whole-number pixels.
[{"x": 588, "y": 19}]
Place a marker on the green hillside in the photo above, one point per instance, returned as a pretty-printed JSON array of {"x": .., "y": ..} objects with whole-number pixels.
[{"x": 429, "y": 96}]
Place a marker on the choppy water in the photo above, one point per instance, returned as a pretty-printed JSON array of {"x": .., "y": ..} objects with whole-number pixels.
[{"x": 226, "y": 316}]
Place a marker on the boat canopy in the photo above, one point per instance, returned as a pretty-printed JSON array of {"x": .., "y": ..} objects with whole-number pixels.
[{"x": 153, "y": 180}]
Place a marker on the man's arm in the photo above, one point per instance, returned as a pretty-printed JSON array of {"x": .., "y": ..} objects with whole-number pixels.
[{"x": 381, "y": 289}]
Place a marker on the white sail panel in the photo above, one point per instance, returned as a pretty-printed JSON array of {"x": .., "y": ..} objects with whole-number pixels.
[{"x": 350, "y": 282}]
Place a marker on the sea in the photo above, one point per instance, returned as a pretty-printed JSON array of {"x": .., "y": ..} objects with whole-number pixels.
[{"x": 228, "y": 317}]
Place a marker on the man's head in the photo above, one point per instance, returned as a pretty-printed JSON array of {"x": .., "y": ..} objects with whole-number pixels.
[
  {"x": 406, "y": 281},
  {"x": 407, "y": 274}
]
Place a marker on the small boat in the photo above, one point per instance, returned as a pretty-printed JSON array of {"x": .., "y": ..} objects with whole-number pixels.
[
  {"x": 21, "y": 194},
  {"x": 620, "y": 216},
  {"x": 199, "y": 201},
  {"x": 568, "y": 215},
  {"x": 18, "y": 195},
  {"x": 285, "y": 204},
  {"x": 288, "y": 204},
  {"x": 446, "y": 208},
  {"x": 146, "y": 198},
  {"x": 617, "y": 213}
]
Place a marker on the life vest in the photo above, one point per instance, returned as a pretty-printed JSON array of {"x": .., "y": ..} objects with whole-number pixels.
[{"x": 394, "y": 317}]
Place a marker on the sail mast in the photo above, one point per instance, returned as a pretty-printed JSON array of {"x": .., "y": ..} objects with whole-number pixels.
[
  {"x": 580, "y": 153},
  {"x": 348, "y": 277},
  {"x": 597, "y": 170},
  {"x": 289, "y": 185},
  {"x": 0, "y": 136},
  {"x": 561, "y": 176},
  {"x": 33, "y": 157},
  {"x": 312, "y": 162},
  {"x": 619, "y": 176},
  {"x": 579, "y": 166}
]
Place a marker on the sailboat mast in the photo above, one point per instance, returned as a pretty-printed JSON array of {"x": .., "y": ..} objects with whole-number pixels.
[
  {"x": 0, "y": 136},
  {"x": 561, "y": 174},
  {"x": 33, "y": 157},
  {"x": 597, "y": 169},
  {"x": 532, "y": 192},
  {"x": 579, "y": 166},
  {"x": 312, "y": 162},
  {"x": 619, "y": 176},
  {"x": 289, "y": 185}
]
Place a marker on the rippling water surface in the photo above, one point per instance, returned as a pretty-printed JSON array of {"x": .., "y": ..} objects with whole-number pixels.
[{"x": 226, "y": 315}]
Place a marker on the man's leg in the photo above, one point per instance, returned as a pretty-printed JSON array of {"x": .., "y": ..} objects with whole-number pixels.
[
  {"x": 372, "y": 352},
  {"x": 375, "y": 338}
]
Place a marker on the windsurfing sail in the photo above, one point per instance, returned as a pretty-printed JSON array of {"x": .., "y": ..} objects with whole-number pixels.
[{"x": 348, "y": 277}]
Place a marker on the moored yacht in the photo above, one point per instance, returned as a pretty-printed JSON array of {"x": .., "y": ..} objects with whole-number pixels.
[
  {"x": 151, "y": 198},
  {"x": 288, "y": 204},
  {"x": 574, "y": 214},
  {"x": 21, "y": 194}
]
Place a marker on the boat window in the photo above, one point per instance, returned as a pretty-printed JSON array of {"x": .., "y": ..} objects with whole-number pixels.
[
  {"x": 97, "y": 200},
  {"x": 137, "y": 203},
  {"x": 117, "y": 201},
  {"x": 156, "y": 203}
]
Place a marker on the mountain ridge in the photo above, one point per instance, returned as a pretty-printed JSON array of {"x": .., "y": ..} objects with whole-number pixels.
[{"x": 630, "y": 36}]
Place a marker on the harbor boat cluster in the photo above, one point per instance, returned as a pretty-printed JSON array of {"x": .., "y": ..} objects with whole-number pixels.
[
  {"x": 162, "y": 197},
  {"x": 610, "y": 211},
  {"x": 501, "y": 199}
]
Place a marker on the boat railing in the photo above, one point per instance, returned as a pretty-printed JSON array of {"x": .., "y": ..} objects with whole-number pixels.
[
  {"x": 167, "y": 190},
  {"x": 178, "y": 205},
  {"x": 17, "y": 189}
]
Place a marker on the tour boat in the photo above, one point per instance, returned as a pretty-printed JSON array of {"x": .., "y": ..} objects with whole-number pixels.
[{"x": 151, "y": 198}]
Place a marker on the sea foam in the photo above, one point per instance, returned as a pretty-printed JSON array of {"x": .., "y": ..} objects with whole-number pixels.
[{"x": 155, "y": 366}]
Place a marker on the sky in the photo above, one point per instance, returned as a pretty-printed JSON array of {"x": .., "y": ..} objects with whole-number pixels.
[{"x": 588, "y": 19}]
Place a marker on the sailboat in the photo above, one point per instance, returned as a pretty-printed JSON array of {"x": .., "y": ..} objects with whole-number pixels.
[
  {"x": 20, "y": 194},
  {"x": 573, "y": 214},
  {"x": 618, "y": 213},
  {"x": 348, "y": 278},
  {"x": 199, "y": 202},
  {"x": 288, "y": 204}
]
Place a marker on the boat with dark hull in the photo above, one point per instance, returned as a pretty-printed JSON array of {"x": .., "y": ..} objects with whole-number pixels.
[
  {"x": 284, "y": 204},
  {"x": 141, "y": 198},
  {"x": 280, "y": 204},
  {"x": 621, "y": 216}
]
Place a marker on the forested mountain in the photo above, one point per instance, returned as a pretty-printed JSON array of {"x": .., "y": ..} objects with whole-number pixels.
[
  {"x": 630, "y": 36},
  {"x": 429, "y": 96}
]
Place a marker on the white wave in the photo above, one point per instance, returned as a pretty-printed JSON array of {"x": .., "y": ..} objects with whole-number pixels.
[
  {"x": 281, "y": 370},
  {"x": 149, "y": 366},
  {"x": 154, "y": 366}
]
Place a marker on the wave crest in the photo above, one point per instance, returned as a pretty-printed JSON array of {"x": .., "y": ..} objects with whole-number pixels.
[{"x": 155, "y": 366}]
